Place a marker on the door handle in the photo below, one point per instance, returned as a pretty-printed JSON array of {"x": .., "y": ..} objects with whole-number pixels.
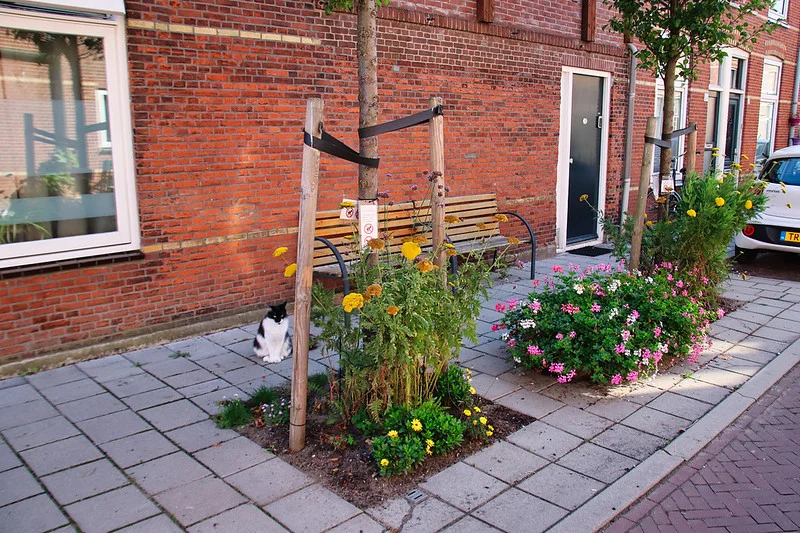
[
  {"x": 599, "y": 121},
  {"x": 570, "y": 160}
]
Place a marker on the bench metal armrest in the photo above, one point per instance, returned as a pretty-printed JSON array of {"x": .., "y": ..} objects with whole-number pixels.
[
  {"x": 340, "y": 260},
  {"x": 532, "y": 236}
]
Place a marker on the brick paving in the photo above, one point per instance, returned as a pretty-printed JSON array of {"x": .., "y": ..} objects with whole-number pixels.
[{"x": 746, "y": 480}]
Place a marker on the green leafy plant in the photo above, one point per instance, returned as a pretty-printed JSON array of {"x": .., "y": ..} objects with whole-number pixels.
[
  {"x": 262, "y": 395},
  {"x": 317, "y": 382},
  {"x": 453, "y": 387},
  {"x": 276, "y": 413},
  {"x": 477, "y": 423},
  {"x": 340, "y": 442},
  {"x": 233, "y": 413}
]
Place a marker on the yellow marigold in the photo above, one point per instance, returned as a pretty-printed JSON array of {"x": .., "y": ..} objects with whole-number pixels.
[
  {"x": 392, "y": 434},
  {"x": 419, "y": 239},
  {"x": 661, "y": 199},
  {"x": 376, "y": 244},
  {"x": 691, "y": 213},
  {"x": 500, "y": 217},
  {"x": 489, "y": 433},
  {"x": 393, "y": 310},
  {"x": 648, "y": 223},
  {"x": 289, "y": 271},
  {"x": 352, "y": 301},
  {"x": 491, "y": 428},
  {"x": 736, "y": 166},
  {"x": 449, "y": 245},
  {"x": 513, "y": 240},
  {"x": 425, "y": 266},
  {"x": 483, "y": 420},
  {"x": 467, "y": 412},
  {"x": 280, "y": 251},
  {"x": 720, "y": 180},
  {"x": 429, "y": 442},
  {"x": 410, "y": 250},
  {"x": 452, "y": 219},
  {"x": 472, "y": 390},
  {"x": 450, "y": 252},
  {"x": 384, "y": 462},
  {"x": 374, "y": 290},
  {"x": 416, "y": 425},
  {"x": 481, "y": 225},
  {"x": 748, "y": 204},
  {"x": 719, "y": 201},
  {"x": 477, "y": 409}
]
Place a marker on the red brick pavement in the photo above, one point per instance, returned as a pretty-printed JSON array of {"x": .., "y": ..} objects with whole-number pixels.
[{"x": 746, "y": 480}]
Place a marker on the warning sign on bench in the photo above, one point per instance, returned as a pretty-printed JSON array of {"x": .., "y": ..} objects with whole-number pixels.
[{"x": 367, "y": 220}]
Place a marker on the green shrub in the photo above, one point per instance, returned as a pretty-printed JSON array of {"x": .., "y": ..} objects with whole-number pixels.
[
  {"x": 276, "y": 413},
  {"x": 453, "y": 387},
  {"x": 262, "y": 395},
  {"x": 397, "y": 455},
  {"x": 233, "y": 413}
]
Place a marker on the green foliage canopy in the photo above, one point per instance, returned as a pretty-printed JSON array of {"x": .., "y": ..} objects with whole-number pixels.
[{"x": 347, "y": 5}]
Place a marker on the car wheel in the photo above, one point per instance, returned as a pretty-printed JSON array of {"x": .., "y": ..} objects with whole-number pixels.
[{"x": 743, "y": 255}]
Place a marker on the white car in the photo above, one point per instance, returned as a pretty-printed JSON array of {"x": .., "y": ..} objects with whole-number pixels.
[{"x": 778, "y": 227}]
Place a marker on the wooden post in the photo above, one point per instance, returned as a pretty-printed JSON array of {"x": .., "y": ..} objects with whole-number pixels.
[
  {"x": 691, "y": 149},
  {"x": 644, "y": 181},
  {"x": 438, "y": 196},
  {"x": 589, "y": 20},
  {"x": 305, "y": 262},
  {"x": 485, "y": 10}
]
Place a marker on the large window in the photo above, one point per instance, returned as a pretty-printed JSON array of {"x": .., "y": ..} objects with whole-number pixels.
[
  {"x": 725, "y": 111},
  {"x": 768, "y": 110},
  {"x": 66, "y": 170},
  {"x": 779, "y": 9}
]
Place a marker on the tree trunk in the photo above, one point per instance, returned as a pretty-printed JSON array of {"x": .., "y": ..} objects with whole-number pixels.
[
  {"x": 668, "y": 118},
  {"x": 367, "y": 50}
]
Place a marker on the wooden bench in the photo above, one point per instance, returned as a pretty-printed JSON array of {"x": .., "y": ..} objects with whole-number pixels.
[{"x": 477, "y": 231}]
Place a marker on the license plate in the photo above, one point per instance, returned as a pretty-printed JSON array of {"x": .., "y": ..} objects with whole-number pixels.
[{"x": 790, "y": 236}]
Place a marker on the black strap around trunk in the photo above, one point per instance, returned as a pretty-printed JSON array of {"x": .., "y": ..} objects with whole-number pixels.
[
  {"x": 333, "y": 146},
  {"x": 400, "y": 123}
]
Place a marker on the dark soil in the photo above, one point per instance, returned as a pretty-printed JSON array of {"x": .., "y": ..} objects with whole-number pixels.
[
  {"x": 776, "y": 265},
  {"x": 351, "y": 472}
]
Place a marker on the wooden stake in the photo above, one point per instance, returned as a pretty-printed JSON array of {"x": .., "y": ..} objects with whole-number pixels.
[
  {"x": 305, "y": 263},
  {"x": 438, "y": 196},
  {"x": 691, "y": 149},
  {"x": 644, "y": 182}
]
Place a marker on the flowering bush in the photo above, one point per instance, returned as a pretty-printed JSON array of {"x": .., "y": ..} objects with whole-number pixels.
[{"x": 607, "y": 323}]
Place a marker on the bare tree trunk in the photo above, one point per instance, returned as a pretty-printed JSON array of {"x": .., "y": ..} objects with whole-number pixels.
[
  {"x": 668, "y": 118},
  {"x": 367, "y": 50}
]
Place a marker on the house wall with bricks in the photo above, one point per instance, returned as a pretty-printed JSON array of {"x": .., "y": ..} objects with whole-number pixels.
[{"x": 218, "y": 97}]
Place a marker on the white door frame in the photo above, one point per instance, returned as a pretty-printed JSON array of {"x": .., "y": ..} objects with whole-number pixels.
[{"x": 565, "y": 133}]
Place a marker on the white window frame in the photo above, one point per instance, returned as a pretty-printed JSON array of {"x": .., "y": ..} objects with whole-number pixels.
[
  {"x": 681, "y": 89},
  {"x": 771, "y": 98},
  {"x": 112, "y": 30},
  {"x": 724, "y": 92},
  {"x": 101, "y": 108},
  {"x": 781, "y": 12}
]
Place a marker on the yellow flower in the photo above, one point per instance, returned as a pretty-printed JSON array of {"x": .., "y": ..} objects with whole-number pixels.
[
  {"x": 513, "y": 240},
  {"x": 748, "y": 204},
  {"x": 491, "y": 427},
  {"x": 738, "y": 192},
  {"x": 489, "y": 433},
  {"x": 691, "y": 213},
  {"x": 410, "y": 250},
  {"x": 744, "y": 156},
  {"x": 472, "y": 390},
  {"x": 720, "y": 180},
  {"x": 425, "y": 266},
  {"x": 483, "y": 420},
  {"x": 429, "y": 442},
  {"x": 744, "y": 276},
  {"x": 280, "y": 251},
  {"x": 289, "y": 271},
  {"x": 392, "y": 310},
  {"x": 376, "y": 244},
  {"x": 668, "y": 188},
  {"x": 481, "y": 225},
  {"x": 450, "y": 252},
  {"x": 374, "y": 290},
  {"x": 384, "y": 462},
  {"x": 392, "y": 434},
  {"x": 468, "y": 371},
  {"x": 419, "y": 239},
  {"x": 736, "y": 166},
  {"x": 474, "y": 422},
  {"x": 661, "y": 199},
  {"x": 467, "y": 412},
  {"x": 583, "y": 197},
  {"x": 449, "y": 245},
  {"x": 347, "y": 203},
  {"x": 719, "y": 201},
  {"x": 648, "y": 223},
  {"x": 416, "y": 425},
  {"x": 477, "y": 409},
  {"x": 452, "y": 219},
  {"x": 352, "y": 301},
  {"x": 752, "y": 165},
  {"x": 500, "y": 217}
]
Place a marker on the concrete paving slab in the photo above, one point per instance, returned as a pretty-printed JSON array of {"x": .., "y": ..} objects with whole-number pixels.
[
  {"x": 577, "y": 421},
  {"x": 515, "y": 510},
  {"x": 469, "y": 524},
  {"x": 209, "y": 402},
  {"x": 493, "y": 347},
  {"x": 229, "y": 336},
  {"x": 720, "y": 377},
  {"x": 57, "y": 376},
  {"x": 656, "y": 423},
  {"x": 199, "y": 500},
  {"x": 734, "y": 364},
  {"x": 110, "y": 368},
  {"x": 92, "y": 407},
  {"x": 12, "y": 382},
  {"x": 26, "y": 413},
  {"x": 506, "y": 462},
  {"x": 489, "y": 364},
  {"x": 129, "y": 386},
  {"x": 245, "y": 348},
  {"x": 18, "y": 395},
  {"x": 531, "y": 403},
  {"x": 59, "y": 455},
  {"x": 138, "y": 448},
  {"x": 198, "y": 348},
  {"x": 226, "y": 362},
  {"x": 8, "y": 459},
  {"x": 16, "y": 485},
  {"x": 153, "y": 398},
  {"x": 597, "y": 462},
  {"x": 579, "y": 395},
  {"x": 201, "y": 435},
  {"x": 642, "y": 393},
  {"x": 154, "y": 354},
  {"x": 112, "y": 510},
  {"x": 757, "y": 315},
  {"x": 426, "y": 517},
  {"x": 628, "y": 441},
  {"x": 204, "y": 387},
  {"x": 765, "y": 345},
  {"x": 680, "y": 406},
  {"x": 544, "y": 440},
  {"x": 330, "y": 510},
  {"x": 233, "y": 456},
  {"x": 561, "y": 486},
  {"x": 611, "y": 408},
  {"x": 739, "y": 323},
  {"x": 701, "y": 390},
  {"x": 246, "y": 374},
  {"x": 167, "y": 472},
  {"x": 463, "y": 486},
  {"x": 270, "y": 380},
  {"x": 242, "y": 519},
  {"x": 171, "y": 367},
  {"x": 491, "y": 387},
  {"x": 84, "y": 481},
  {"x": 38, "y": 433},
  {"x": 173, "y": 415},
  {"x": 33, "y": 515},
  {"x": 75, "y": 390},
  {"x": 729, "y": 335},
  {"x": 157, "y": 524},
  {"x": 776, "y": 334},
  {"x": 113, "y": 426},
  {"x": 195, "y": 377},
  {"x": 468, "y": 354},
  {"x": 269, "y": 481}
]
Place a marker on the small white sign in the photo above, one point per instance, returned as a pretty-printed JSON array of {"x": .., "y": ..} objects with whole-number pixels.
[
  {"x": 349, "y": 210},
  {"x": 667, "y": 186},
  {"x": 367, "y": 220}
]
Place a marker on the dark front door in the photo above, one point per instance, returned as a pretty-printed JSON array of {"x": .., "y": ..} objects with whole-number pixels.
[
  {"x": 584, "y": 157},
  {"x": 732, "y": 134}
]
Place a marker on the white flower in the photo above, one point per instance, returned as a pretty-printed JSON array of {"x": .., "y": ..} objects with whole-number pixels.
[
  {"x": 613, "y": 286},
  {"x": 663, "y": 348},
  {"x": 517, "y": 360},
  {"x": 527, "y": 323},
  {"x": 578, "y": 288},
  {"x": 648, "y": 279},
  {"x": 504, "y": 336},
  {"x": 614, "y": 312}
]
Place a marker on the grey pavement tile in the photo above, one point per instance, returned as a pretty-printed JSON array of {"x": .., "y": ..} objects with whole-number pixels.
[
  {"x": 244, "y": 348},
  {"x": 629, "y": 441},
  {"x": 21, "y": 414},
  {"x": 506, "y": 462},
  {"x": 469, "y": 524},
  {"x": 242, "y": 519},
  {"x": 753, "y": 355},
  {"x": 146, "y": 400},
  {"x": 680, "y": 406},
  {"x": 523, "y": 378},
  {"x": 112, "y": 510},
  {"x": 577, "y": 421},
  {"x": 361, "y": 523},
  {"x": 57, "y": 376},
  {"x": 157, "y": 524},
  {"x": 204, "y": 387},
  {"x": 16, "y": 485},
  {"x": 167, "y": 472},
  {"x": 530, "y": 403},
  {"x": 755, "y": 315},
  {"x": 271, "y": 380},
  {"x": 729, "y": 335},
  {"x": 84, "y": 481},
  {"x": 392, "y": 513},
  {"x": 18, "y": 395},
  {"x": 493, "y": 347},
  {"x": 173, "y": 415},
  {"x": 643, "y": 394},
  {"x": 790, "y": 314},
  {"x": 561, "y": 486},
  {"x": 544, "y": 440},
  {"x": 720, "y": 377},
  {"x": 429, "y": 516},
  {"x": 734, "y": 364},
  {"x": 463, "y": 486},
  {"x": 739, "y": 323},
  {"x": 581, "y": 394},
  {"x": 656, "y": 423},
  {"x": 198, "y": 348},
  {"x": 113, "y": 426},
  {"x": 199, "y": 500},
  {"x": 269, "y": 481},
  {"x": 138, "y": 448},
  {"x": 613, "y": 408},
  {"x": 131, "y": 385},
  {"x": 246, "y": 374},
  {"x": 331, "y": 510},
  {"x": 467, "y": 354},
  {"x": 701, "y": 390},
  {"x": 60, "y": 455},
  {"x": 110, "y": 368},
  {"x": 195, "y": 377},
  {"x": 599, "y": 463},
  {"x": 776, "y": 334},
  {"x": 284, "y": 368},
  {"x": 667, "y": 380},
  {"x": 226, "y": 362},
  {"x": 233, "y": 456},
  {"x": 785, "y": 323},
  {"x": 229, "y": 336},
  {"x": 516, "y": 510},
  {"x": 492, "y": 388},
  {"x": 209, "y": 402},
  {"x": 761, "y": 344},
  {"x": 42, "y": 432},
  {"x": 33, "y": 515},
  {"x": 201, "y": 435},
  {"x": 75, "y": 390},
  {"x": 8, "y": 459},
  {"x": 102, "y": 404},
  {"x": 489, "y": 364},
  {"x": 7, "y": 383},
  {"x": 171, "y": 367},
  {"x": 155, "y": 354}
]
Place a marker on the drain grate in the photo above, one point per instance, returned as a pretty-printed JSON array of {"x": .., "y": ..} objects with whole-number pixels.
[{"x": 416, "y": 496}]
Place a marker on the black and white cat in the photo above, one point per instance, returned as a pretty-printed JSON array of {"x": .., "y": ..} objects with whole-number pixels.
[{"x": 273, "y": 341}]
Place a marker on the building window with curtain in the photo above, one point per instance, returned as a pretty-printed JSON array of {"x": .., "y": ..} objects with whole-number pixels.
[{"x": 768, "y": 110}]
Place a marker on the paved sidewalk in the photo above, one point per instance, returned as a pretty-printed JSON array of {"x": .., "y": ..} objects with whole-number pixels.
[
  {"x": 747, "y": 479},
  {"x": 125, "y": 443}
]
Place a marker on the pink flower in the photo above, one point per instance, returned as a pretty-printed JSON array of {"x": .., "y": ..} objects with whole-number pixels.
[
  {"x": 500, "y": 307},
  {"x": 511, "y": 343},
  {"x": 704, "y": 280},
  {"x": 536, "y": 283},
  {"x": 570, "y": 309},
  {"x": 512, "y": 303},
  {"x": 657, "y": 332},
  {"x": 559, "y": 336},
  {"x": 534, "y": 350},
  {"x": 720, "y": 312},
  {"x": 632, "y": 376},
  {"x": 616, "y": 380},
  {"x": 558, "y": 269},
  {"x": 535, "y": 306},
  {"x": 679, "y": 284},
  {"x": 544, "y": 362},
  {"x": 496, "y": 327},
  {"x": 556, "y": 368},
  {"x": 566, "y": 378},
  {"x": 619, "y": 348},
  {"x": 572, "y": 334},
  {"x": 626, "y": 335},
  {"x": 595, "y": 308},
  {"x": 635, "y": 314}
]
